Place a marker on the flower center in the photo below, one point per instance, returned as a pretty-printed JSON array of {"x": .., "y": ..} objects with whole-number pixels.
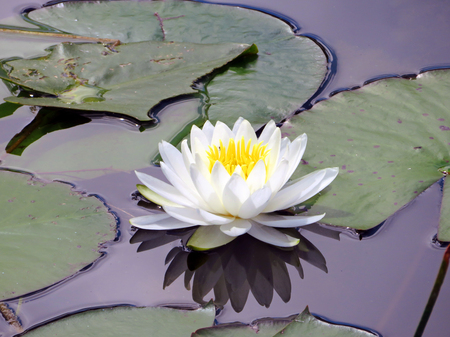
[{"x": 238, "y": 154}]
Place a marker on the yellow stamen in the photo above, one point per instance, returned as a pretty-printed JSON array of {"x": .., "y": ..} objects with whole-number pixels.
[{"x": 240, "y": 153}]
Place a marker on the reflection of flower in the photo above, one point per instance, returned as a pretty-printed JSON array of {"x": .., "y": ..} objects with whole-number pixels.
[
  {"x": 234, "y": 270},
  {"x": 229, "y": 182}
]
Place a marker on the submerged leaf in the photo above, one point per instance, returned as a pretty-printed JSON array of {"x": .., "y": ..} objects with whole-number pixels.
[
  {"x": 47, "y": 232},
  {"x": 391, "y": 140},
  {"x": 304, "y": 324},
  {"x": 127, "y": 79},
  {"x": 287, "y": 71},
  {"x": 96, "y": 148},
  {"x": 46, "y": 121},
  {"x": 128, "y": 321}
]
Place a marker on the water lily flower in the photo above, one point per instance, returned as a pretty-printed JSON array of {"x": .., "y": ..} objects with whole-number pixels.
[{"x": 229, "y": 182}]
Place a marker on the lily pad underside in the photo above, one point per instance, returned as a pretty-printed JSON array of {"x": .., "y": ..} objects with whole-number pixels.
[
  {"x": 271, "y": 85},
  {"x": 47, "y": 232},
  {"x": 391, "y": 140},
  {"x": 126, "y": 79}
]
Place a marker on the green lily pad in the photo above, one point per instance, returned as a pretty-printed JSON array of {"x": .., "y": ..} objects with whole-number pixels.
[
  {"x": 97, "y": 148},
  {"x": 46, "y": 121},
  {"x": 128, "y": 321},
  {"x": 391, "y": 140},
  {"x": 304, "y": 324},
  {"x": 47, "y": 232},
  {"x": 272, "y": 85},
  {"x": 127, "y": 79}
]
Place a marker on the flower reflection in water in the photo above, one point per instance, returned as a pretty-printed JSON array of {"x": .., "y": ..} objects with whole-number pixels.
[{"x": 233, "y": 270}]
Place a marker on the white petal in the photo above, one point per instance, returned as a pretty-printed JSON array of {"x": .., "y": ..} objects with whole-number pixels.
[
  {"x": 255, "y": 203},
  {"x": 234, "y": 194},
  {"x": 221, "y": 133},
  {"x": 302, "y": 189},
  {"x": 295, "y": 154},
  {"x": 238, "y": 170},
  {"x": 245, "y": 130},
  {"x": 330, "y": 174},
  {"x": 155, "y": 197},
  {"x": 186, "y": 214},
  {"x": 163, "y": 189},
  {"x": 237, "y": 124},
  {"x": 206, "y": 191},
  {"x": 202, "y": 166},
  {"x": 188, "y": 191},
  {"x": 278, "y": 178},
  {"x": 215, "y": 219},
  {"x": 188, "y": 158},
  {"x": 274, "y": 146},
  {"x": 198, "y": 134},
  {"x": 236, "y": 228},
  {"x": 294, "y": 190},
  {"x": 267, "y": 132},
  {"x": 257, "y": 177},
  {"x": 219, "y": 178},
  {"x": 200, "y": 151},
  {"x": 158, "y": 222},
  {"x": 173, "y": 159},
  {"x": 208, "y": 130},
  {"x": 272, "y": 236},
  {"x": 208, "y": 237},
  {"x": 281, "y": 221},
  {"x": 284, "y": 148}
]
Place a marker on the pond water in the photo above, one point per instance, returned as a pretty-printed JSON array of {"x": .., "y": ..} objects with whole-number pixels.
[{"x": 381, "y": 282}]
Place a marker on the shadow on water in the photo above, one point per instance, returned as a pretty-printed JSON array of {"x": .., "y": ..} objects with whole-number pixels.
[{"x": 233, "y": 270}]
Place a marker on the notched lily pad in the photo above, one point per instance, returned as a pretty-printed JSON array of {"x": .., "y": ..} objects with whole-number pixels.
[
  {"x": 127, "y": 79},
  {"x": 273, "y": 85},
  {"x": 304, "y": 324},
  {"x": 128, "y": 321},
  {"x": 47, "y": 232},
  {"x": 391, "y": 140}
]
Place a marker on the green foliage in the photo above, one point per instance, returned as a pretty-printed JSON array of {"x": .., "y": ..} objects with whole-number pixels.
[
  {"x": 93, "y": 149},
  {"x": 271, "y": 85},
  {"x": 127, "y": 321},
  {"x": 127, "y": 79},
  {"x": 304, "y": 324},
  {"x": 391, "y": 141},
  {"x": 47, "y": 232}
]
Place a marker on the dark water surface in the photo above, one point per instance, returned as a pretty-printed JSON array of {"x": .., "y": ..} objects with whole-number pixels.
[{"x": 380, "y": 283}]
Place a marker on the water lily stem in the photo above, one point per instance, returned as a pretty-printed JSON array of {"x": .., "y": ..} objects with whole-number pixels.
[{"x": 434, "y": 293}]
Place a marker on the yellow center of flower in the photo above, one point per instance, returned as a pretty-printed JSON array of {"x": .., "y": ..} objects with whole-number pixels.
[{"x": 238, "y": 154}]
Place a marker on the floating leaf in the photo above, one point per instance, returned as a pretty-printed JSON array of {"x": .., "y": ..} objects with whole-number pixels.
[
  {"x": 287, "y": 71},
  {"x": 126, "y": 321},
  {"x": 127, "y": 79},
  {"x": 47, "y": 232},
  {"x": 46, "y": 121},
  {"x": 304, "y": 324},
  {"x": 391, "y": 140},
  {"x": 96, "y": 148}
]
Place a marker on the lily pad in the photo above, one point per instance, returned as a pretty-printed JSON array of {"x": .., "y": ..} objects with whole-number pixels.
[
  {"x": 46, "y": 121},
  {"x": 128, "y": 321},
  {"x": 47, "y": 232},
  {"x": 97, "y": 148},
  {"x": 127, "y": 79},
  {"x": 391, "y": 140},
  {"x": 304, "y": 324},
  {"x": 287, "y": 71}
]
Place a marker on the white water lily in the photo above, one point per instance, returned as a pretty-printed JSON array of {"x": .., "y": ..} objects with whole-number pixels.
[{"x": 230, "y": 182}]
